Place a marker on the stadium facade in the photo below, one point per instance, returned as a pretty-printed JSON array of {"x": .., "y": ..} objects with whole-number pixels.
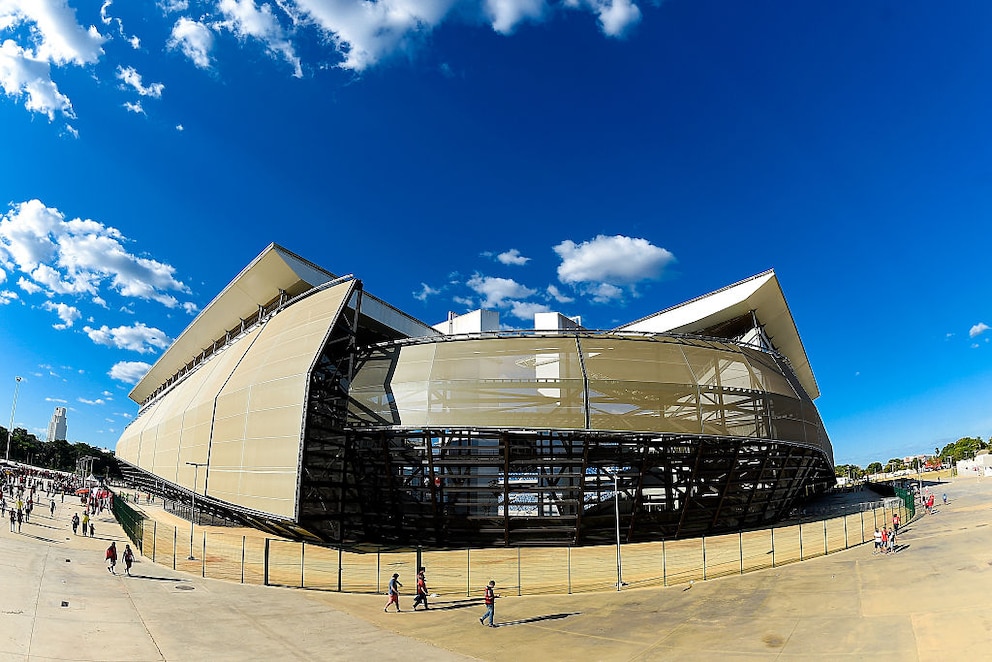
[{"x": 319, "y": 412}]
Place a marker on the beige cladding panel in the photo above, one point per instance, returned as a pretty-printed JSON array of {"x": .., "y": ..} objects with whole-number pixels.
[
  {"x": 254, "y": 454},
  {"x": 633, "y": 385}
]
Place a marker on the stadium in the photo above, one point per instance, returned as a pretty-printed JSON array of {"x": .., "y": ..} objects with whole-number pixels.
[{"x": 302, "y": 405}]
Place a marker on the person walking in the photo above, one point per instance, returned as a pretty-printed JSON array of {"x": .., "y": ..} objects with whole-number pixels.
[
  {"x": 75, "y": 524},
  {"x": 892, "y": 542},
  {"x": 945, "y": 498},
  {"x": 394, "y": 592},
  {"x": 112, "y": 558},
  {"x": 128, "y": 557},
  {"x": 895, "y": 522},
  {"x": 13, "y": 520},
  {"x": 878, "y": 541},
  {"x": 86, "y": 521},
  {"x": 91, "y": 528},
  {"x": 490, "y": 604},
  {"x": 885, "y": 540},
  {"x": 51, "y": 507},
  {"x": 421, "y": 590},
  {"x": 20, "y": 520}
]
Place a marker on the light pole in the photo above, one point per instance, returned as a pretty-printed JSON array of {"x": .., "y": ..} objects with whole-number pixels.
[
  {"x": 192, "y": 516},
  {"x": 616, "y": 510},
  {"x": 10, "y": 428}
]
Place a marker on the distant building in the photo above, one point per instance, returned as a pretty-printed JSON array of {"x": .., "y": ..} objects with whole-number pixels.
[
  {"x": 57, "y": 426},
  {"x": 980, "y": 466}
]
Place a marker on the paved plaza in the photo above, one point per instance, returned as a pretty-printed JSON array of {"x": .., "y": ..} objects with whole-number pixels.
[{"x": 929, "y": 601}]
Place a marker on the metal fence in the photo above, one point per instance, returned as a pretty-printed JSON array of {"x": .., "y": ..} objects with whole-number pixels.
[{"x": 523, "y": 570}]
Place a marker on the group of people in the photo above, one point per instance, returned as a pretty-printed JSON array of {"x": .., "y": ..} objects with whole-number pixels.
[
  {"x": 885, "y": 540},
  {"x": 127, "y": 557},
  {"x": 394, "y": 587}
]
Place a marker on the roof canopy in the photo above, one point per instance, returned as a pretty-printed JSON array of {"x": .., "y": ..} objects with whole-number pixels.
[{"x": 760, "y": 294}]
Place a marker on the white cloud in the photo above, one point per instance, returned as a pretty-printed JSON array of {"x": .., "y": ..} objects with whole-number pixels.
[
  {"x": 425, "y": 291},
  {"x": 98, "y": 401},
  {"x": 513, "y": 257},
  {"x": 68, "y": 314},
  {"x": 28, "y": 286},
  {"x": 43, "y": 34},
  {"x": 190, "y": 307},
  {"x": 496, "y": 291},
  {"x": 505, "y": 15},
  {"x": 135, "y": 107},
  {"x": 978, "y": 329},
  {"x": 130, "y": 372},
  {"x": 603, "y": 292},
  {"x": 245, "y": 20},
  {"x": 58, "y": 400},
  {"x": 6, "y": 296},
  {"x": 180, "y": 128},
  {"x": 80, "y": 256},
  {"x": 173, "y": 6},
  {"x": 616, "y": 17},
  {"x": 618, "y": 260},
  {"x": 194, "y": 40},
  {"x": 137, "y": 338},
  {"x": 525, "y": 310},
  {"x": 558, "y": 295},
  {"x": 131, "y": 78}
]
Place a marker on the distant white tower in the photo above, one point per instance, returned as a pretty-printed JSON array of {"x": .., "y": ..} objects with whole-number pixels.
[{"x": 57, "y": 426}]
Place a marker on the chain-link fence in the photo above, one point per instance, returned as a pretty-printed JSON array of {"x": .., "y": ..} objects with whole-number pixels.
[{"x": 524, "y": 571}]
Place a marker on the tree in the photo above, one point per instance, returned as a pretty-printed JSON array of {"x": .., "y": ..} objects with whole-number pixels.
[{"x": 874, "y": 468}]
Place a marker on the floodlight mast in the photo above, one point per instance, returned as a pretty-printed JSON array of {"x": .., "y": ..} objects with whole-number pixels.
[{"x": 13, "y": 408}]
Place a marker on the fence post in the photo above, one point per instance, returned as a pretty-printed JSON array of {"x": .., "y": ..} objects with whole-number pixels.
[
  {"x": 341, "y": 567},
  {"x": 825, "y": 551},
  {"x": 862, "y": 527},
  {"x": 740, "y": 545},
  {"x": 664, "y": 564},
  {"x": 773, "y": 546},
  {"x": 203, "y": 557},
  {"x": 519, "y": 588},
  {"x": 265, "y": 564},
  {"x": 303, "y": 561},
  {"x": 378, "y": 570},
  {"x": 568, "y": 565},
  {"x": 243, "y": 541},
  {"x": 175, "y": 541},
  {"x": 845, "y": 532},
  {"x": 468, "y": 572},
  {"x": 800, "y": 540},
  {"x": 154, "y": 539},
  {"x": 704, "y": 558}
]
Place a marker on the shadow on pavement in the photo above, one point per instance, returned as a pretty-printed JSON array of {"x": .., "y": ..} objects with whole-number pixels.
[{"x": 535, "y": 619}]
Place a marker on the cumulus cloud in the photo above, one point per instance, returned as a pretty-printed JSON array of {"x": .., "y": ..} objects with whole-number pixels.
[
  {"x": 79, "y": 257},
  {"x": 525, "y": 310},
  {"x": 194, "y": 40},
  {"x": 28, "y": 286},
  {"x": 68, "y": 314},
  {"x": 41, "y": 34},
  {"x": 244, "y": 19},
  {"x": 137, "y": 338},
  {"x": 135, "y": 107},
  {"x": 6, "y": 296},
  {"x": 496, "y": 291},
  {"x": 129, "y": 372},
  {"x": 131, "y": 78},
  {"x": 558, "y": 295},
  {"x": 425, "y": 291},
  {"x": 603, "y": 266},
  {"x": 98, "y": 401},
  {"x": 513, "y": 257},
  {"x": 505, "y": 15},
  {"x": 978, "y": 330}
]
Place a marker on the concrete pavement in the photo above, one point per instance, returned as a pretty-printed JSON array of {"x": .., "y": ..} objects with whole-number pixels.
[{"x": 929, "y": 601}]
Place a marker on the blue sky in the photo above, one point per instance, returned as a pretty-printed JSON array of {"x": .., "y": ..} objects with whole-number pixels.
[{"x": 602, "y": 158}]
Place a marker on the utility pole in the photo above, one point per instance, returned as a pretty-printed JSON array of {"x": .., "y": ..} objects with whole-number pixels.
[{"x": 10, "y": 428}]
